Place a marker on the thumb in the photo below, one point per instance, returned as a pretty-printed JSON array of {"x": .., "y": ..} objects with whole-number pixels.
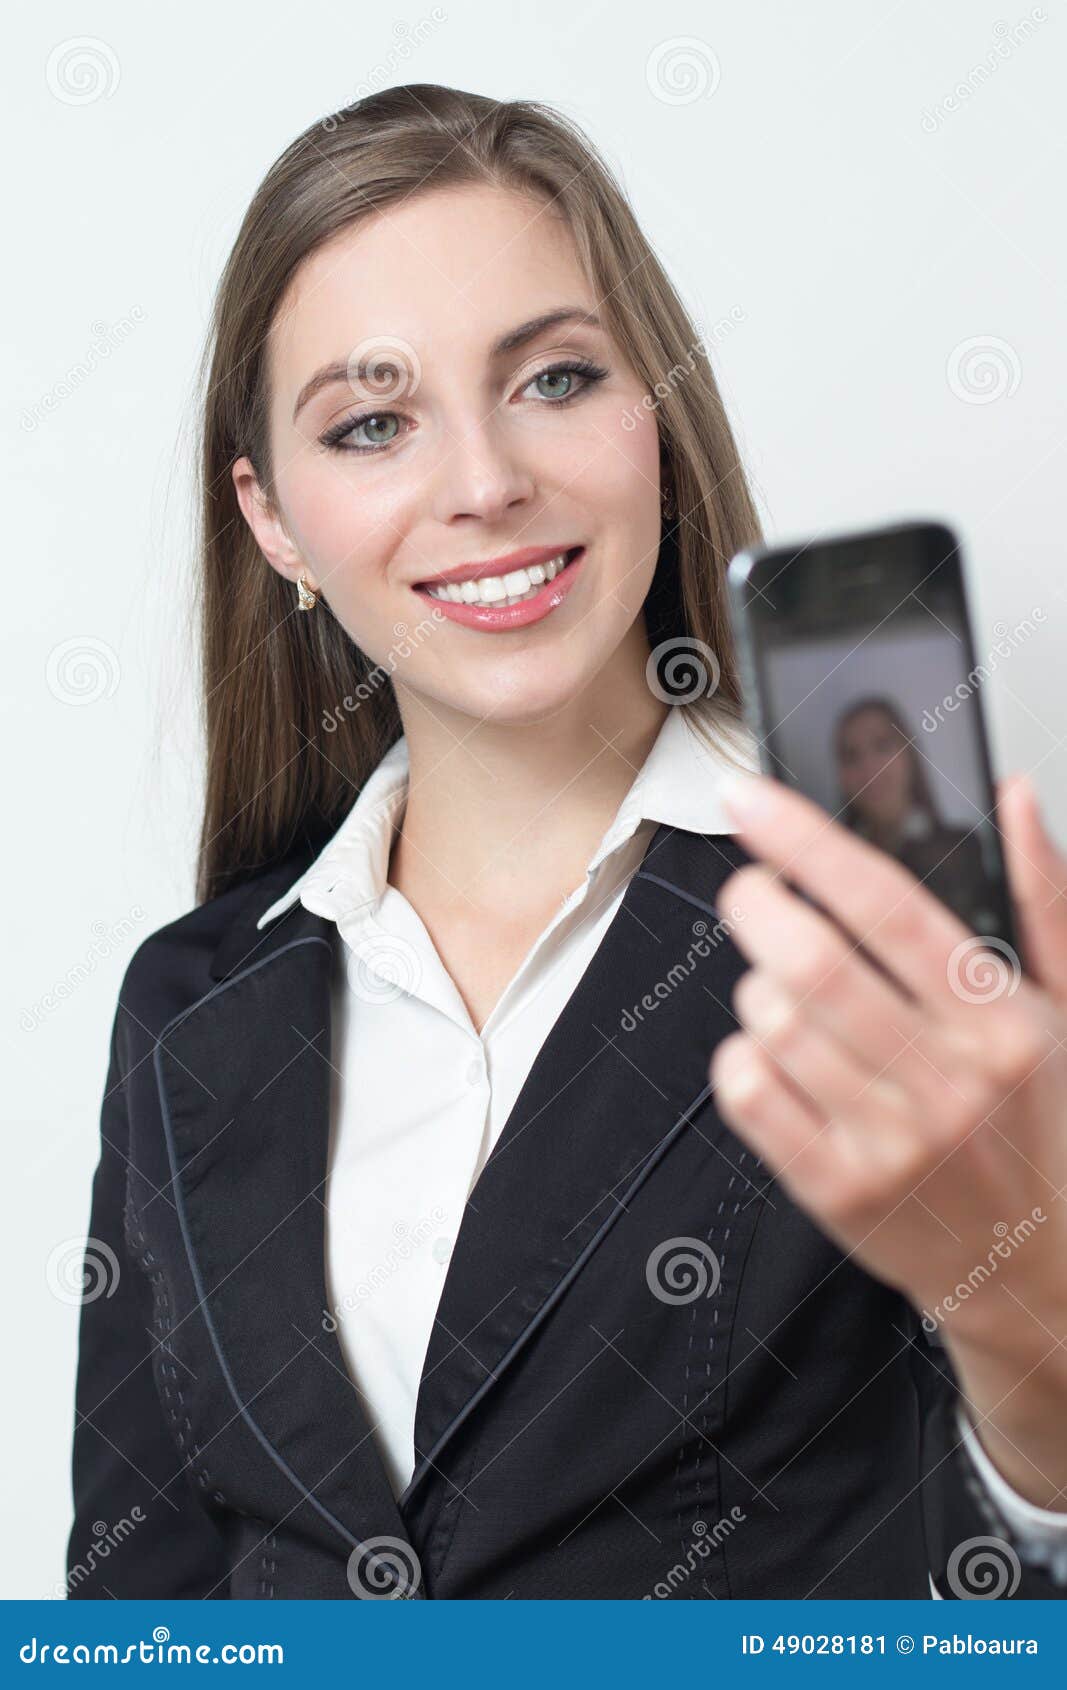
[{"x": 1037, "y": 877}]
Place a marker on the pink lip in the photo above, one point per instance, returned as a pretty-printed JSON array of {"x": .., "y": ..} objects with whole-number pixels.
[
  {"x": 495, "y": 565},
  {"x": 495, "y": 617}
]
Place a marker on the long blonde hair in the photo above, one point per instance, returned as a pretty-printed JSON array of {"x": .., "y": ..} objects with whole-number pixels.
[{"x": 271, "y": 676}]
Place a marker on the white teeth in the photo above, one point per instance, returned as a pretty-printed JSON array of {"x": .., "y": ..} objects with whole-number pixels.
[{"x": 509, "y": 589}]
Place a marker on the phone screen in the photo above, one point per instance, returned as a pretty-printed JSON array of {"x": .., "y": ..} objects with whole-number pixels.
[{"x": 862, "y": 678}]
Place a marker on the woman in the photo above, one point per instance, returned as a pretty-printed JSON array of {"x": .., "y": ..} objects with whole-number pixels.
[
  {"x": 885, "y": 797},
  {"x": 439, "y": 1271}
]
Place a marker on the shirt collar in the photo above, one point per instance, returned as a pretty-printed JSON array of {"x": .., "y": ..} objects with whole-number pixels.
[{"x": 678, "y": 784}]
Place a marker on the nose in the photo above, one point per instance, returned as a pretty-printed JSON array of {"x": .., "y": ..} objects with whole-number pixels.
[{"x": 480, "y": 475}]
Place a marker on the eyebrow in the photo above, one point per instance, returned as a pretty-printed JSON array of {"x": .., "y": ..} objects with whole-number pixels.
[{"x": 509, "y": 342}]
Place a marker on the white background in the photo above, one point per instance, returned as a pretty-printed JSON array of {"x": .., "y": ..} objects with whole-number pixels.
[{"x": 818, "y": 188}]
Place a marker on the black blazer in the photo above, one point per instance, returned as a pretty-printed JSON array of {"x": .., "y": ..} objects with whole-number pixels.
[{"x": 578, "y": 1433}]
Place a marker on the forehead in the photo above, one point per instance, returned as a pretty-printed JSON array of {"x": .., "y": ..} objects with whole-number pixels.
[{"x": 449, "y": 269}]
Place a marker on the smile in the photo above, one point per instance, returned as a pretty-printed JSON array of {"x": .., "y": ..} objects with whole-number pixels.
[{"x": 507, "y": 600}]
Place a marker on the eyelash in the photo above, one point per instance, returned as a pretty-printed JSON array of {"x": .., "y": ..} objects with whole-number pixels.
[{"x": 584, "y": 367}]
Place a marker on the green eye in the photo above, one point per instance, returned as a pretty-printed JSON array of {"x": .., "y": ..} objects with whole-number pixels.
[
  {"x": 379, "y": 430},
  {"x": 557, "y": 383}
]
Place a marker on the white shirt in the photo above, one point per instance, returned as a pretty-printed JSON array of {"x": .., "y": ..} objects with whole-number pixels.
[{"x": 419, "y": 1097}]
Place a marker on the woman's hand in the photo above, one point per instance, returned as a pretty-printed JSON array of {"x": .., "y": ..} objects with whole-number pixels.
[{"x": 920, "y": 1115}]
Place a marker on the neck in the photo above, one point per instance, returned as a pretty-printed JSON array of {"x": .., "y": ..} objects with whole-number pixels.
[{"x": 505, "y": 816}]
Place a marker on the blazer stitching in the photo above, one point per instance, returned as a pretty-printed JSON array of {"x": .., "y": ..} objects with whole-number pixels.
[
  {"x": 706, "y": 1415},
  {"x": 268, "y": 1566},
  {"x": 274, "y": 1454},
  {"x": 170, "y": 1382}
]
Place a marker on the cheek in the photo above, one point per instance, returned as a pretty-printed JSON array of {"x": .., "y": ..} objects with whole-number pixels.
[
  {"x": 613, "y": 476},
  {"x": 332, "y": 525}
]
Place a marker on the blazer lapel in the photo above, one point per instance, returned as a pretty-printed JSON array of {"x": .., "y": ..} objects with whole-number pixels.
[
  {"x": 244, "y": 1081},
  {"x": 621, "y": 1075}
]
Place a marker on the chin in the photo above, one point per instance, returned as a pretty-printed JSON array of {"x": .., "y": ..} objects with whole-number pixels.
[{"x": 520, "y": 702}]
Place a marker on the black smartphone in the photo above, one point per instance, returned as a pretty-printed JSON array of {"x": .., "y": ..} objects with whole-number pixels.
[{"x": 861, "y": 686}]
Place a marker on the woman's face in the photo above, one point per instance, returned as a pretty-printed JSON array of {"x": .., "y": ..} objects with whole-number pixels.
[
  {"x": 446, "y": 436},
  {"x": 873, "y": 766}
]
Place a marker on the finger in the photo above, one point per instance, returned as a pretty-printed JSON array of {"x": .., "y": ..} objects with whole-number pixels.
[
  {"x": 882, "y": 904},
  {"x": 776, "y": 1124},
  {"x": 1037, "y": 874},
  {"x": 825, "y": 1073},
  {"x": 815, "y": 964}
]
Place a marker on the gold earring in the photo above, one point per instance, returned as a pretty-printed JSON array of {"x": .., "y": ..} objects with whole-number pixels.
[{"x": 306, "y": 597}]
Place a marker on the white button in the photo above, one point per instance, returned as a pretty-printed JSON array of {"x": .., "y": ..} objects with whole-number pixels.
[
  {"x": 442, "y": 1249},
  {"x": 475, "y": 1073}
]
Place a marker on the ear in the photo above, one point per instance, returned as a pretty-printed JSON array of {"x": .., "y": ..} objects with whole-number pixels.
[{"x": 266, "y": 524}]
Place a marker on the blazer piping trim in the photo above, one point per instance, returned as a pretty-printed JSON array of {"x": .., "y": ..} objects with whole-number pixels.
[
  {"x": 179, "y": 1201},
  {"x": 621, "y": 1205},
  {"x": 690, "y": 898}
]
